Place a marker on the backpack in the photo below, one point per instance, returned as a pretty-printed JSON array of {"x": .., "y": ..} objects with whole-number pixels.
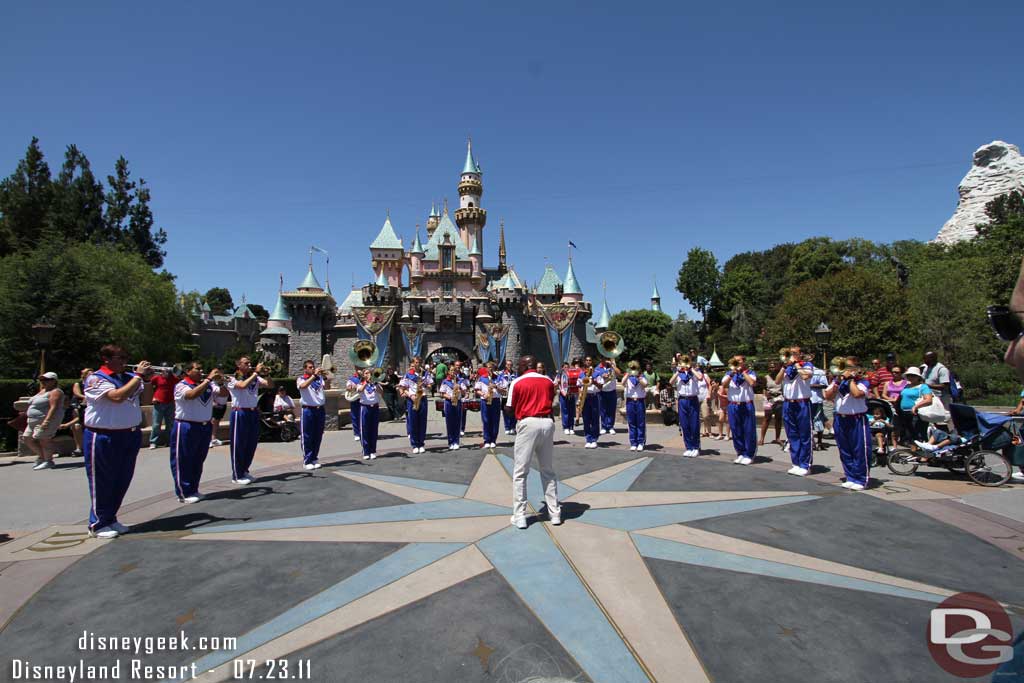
[{"x": 956, "y": 389}]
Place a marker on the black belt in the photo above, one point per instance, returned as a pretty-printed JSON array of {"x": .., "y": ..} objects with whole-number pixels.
[
  {"x": 634, "y": 399},
  {"x": 796, "y": 400},
  {"x": 247, "y": 410},
  {"x": 313, "y": 407},
  {"x": 541, "y": 417},
  {"x": 102, "y": 430}
]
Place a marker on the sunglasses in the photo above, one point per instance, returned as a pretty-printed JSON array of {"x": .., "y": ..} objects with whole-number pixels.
[{"x": 1005, "y": 323}]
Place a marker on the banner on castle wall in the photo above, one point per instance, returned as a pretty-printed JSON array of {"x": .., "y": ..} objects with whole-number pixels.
[
  {"x": 412, "y": 337},
  {"x": 483, "y": 346},
  {"x": 498, "y": 334},
  {"x": 558, "y": 320},
  {"x": 374, "y": 323}
]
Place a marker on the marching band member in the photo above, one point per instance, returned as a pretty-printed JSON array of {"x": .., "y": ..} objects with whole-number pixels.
[
  {"x": 412, "y": 385},
  {"x": 634, "y": 391},
  {"x": 568, "y": 391},
  {"x": 112, "y": 437},
  {"x": 853, "y": 437},
  {"x": 352, "y": 385},
  {"x": 505, "y": 379},
  {"x": 245, "y": 417},
  {"x": 591, "y": 411},
  {"x": 311, "y": 426},
  {"x": 687, "y": 383},
  {"x": 739, "y": 385},
  {"x": 190, "y": 435},
  {"x": 462, "y": 375},
  {"x": 490, "y": 406},
  {"x": 369, "y": 413},
  {"x": 795, "y": 377},
  {"x": 607, "y": 372},
  {"x": 220, "y": 406},
  {"x": 451, "y": 391}
]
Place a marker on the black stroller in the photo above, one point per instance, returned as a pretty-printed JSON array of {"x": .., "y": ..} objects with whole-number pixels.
[
  {"x": 273, "y": 425},
  {"x": 879, "y": 455}
]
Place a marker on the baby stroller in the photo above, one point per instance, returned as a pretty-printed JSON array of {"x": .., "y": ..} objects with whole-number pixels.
[
  {"x": 879, "y": 456},
  {"x": 979, "y": 450},
  {"x": 273, "y": 425}
]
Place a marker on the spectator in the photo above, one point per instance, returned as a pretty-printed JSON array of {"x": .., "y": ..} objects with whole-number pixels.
[
  {"x": 706, "y": 393},
  {"x": 891, "y": 393},
  {"x": 78, "y": 405},
  {"x": 653, "y": 380},
  {"x": 44, "y": 414},
  {"x": 1019, "y": 410},
  {"x": 819, "y": 417},
  {"x": 913, "y": 397},
  {"x": 220, "y": 407},
  {"x": 936, "y": 376},
  {"x": 667, "y": 403},
  {"x": 697, "y": 359},
  {"x": 772, "y": 404},
  {"x": 283, "y": 403},
  {"x": 884, "y": 373},
  {"x": 722, "y": 396},
  {"x": 390, "y": 385},
  {"x": 440, "y": 372},
  {"x": 163, "y": 405}
]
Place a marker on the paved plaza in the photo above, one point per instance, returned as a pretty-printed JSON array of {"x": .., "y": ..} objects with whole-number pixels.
[{"x": 405, "y": 568}]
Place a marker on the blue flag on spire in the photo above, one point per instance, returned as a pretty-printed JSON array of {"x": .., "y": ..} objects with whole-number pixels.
[{"x": 573, "y": 244}]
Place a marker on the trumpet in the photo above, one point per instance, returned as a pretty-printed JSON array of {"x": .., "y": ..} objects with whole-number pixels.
[
  {"x": 785, "y": 355},
  {"x": 634, "y": 368},
  {"x": 684, "y": 364},
  {"x": 157, "y": 368}
]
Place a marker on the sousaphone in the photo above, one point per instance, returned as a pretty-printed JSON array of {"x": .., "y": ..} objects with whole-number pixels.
[
  {"x": 364, "y": 353},
  {"x": 610, "y": 344}
]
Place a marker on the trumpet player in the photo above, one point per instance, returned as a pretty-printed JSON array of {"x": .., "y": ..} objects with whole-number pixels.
[
  {"x": 490, "y": 405},
  {"x": 190, "y": 436},
  {"x": 605, "y": 376},
  {"x": 311, "y": 425},
  {"x": 351, "y": 388},
  {"x": 634, "y": 391},
  {"x": 568, "y": 392},
  {"x": 739, "y": 387},
  {"x": 850, "y": 390},
  {"x": 451, "y": 391},
  {"x": 369, "y": 412},
  {"x": 245, "y": 418},
  {"x": 589, "y": 398},
  {"x": 112, "y": 437},
  {"x": 687, "y": 382},
  {"x": 505, "y": 379},
  {"x": 795, "y": 377},
  {"x": 413, "y": 388}
]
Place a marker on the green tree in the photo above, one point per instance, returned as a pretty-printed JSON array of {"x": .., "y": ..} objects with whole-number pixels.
[
  {"x": 699, "y": 280},
  {"x": 744, "y": 285},
  {"x": 219, "y": 300},
  {"x": 643, "y": 332},
  {"x": 1000, "y": 244},
  {"x": 812, "y": 259},
  {"x": 25, "y": 198},
  {"x": 80, "y": 288},
  {"x": 128, "y": 217},
  {"x": 259, "y": 311},
  {"x": 76, "y": 210}
]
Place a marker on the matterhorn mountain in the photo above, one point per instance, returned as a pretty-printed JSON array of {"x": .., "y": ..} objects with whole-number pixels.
[{"x": 998, "y": 168}]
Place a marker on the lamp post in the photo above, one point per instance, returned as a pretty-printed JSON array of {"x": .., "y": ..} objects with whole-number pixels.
[
  {"x": 823, "y": 338},
  {"x": 42, "y": 330}
]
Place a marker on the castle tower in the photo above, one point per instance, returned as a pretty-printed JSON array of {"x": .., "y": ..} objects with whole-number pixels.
[
  {"x": 432, "y": 220},
  {"x": 387, "y": 254},
  {"x": 312, "y": 311},
  {"x": 571, "y": 287},
  {"x": 469, "y": 216},
  {"x": 416, "y": 254},
  {"x": 604, "y": 320},
  {"x": 656, "y": 298},
  {"x": 476, "y": 257},
  {"x": 502, "y": 255}
]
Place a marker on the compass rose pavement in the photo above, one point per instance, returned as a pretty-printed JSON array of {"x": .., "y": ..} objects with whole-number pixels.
[{"x": 407, "y": 568}]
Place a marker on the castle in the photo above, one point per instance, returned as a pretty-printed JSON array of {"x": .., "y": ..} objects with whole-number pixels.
[{"x": 437, "y": 300}]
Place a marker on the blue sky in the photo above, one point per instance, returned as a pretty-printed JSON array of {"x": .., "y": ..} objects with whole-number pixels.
[{"x": 635, "y": 130}]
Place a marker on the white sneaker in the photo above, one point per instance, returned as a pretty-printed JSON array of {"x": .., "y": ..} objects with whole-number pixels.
[
  {"x": 640, "y": 447},
  {"x": 355, "y": 438},
  {"x": 120, "y": 528},
  {"x": 216, "y": 442},
  {"x": 44, "y": 465},
  {"x": 317, "y": 466},
  {"x": 632, "y": 448},
  {"x": 738, "y": 460},
  {"x": 801, "y": 472},
  {"x": 373, "y": 456},
  {"x": 152, "y": 446},
  {"x": 242, "y": 482},
  {"x": 611, "y": 431},
  {"x": 847, "y": 484},
  {"x": 458, "y": 446},
  {"x": 856, "y": 487},
  {"x": 520, "y": 522},
  {"x": 792, "y": 470},
  {"x": 604, "y": 431},
  {"x": 366, "y": 457},
  {"x": 309, "y": 466},
  {"x": 1017, "y": 475},
  {"x": 191, "y": 499},
  {"x": 104, "y": 532},
  {"x": 451, "y": 447},
  {"x": 463, "y": 433},
  {"x": 746, "y": 461},
  {"x": 592, "y": 444},
  {"x": 556, "y": 519},
  {"x": 690, "y": 454}
]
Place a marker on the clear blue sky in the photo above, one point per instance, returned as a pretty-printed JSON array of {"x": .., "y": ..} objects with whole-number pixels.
[{"x": 263, "y": 128}]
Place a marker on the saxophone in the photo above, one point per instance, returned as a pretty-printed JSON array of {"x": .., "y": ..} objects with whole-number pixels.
[
  {"x": 418, "y": 396},
  {"x": 490, "y": 391},
  {"x": 456, "y": 392},
  {"x": 583, "y": 391}
]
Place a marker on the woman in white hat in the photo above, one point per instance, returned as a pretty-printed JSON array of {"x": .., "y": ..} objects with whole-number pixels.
[
  {"x": 915, "y": 395},
  {"x": 44, "y": 414}
]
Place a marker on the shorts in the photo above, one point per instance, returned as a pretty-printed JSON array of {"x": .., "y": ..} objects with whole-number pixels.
[
  {"x": 35, "y": 430},
  {"x": 218, "y": 412}
]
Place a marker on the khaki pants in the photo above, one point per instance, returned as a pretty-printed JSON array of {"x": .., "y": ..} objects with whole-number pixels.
[{"x": 534, "y": 435}]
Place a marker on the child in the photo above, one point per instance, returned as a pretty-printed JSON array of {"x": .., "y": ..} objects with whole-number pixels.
[
  {"x": 284, "y": 404},
  {"x": 882, "y": 426},
  {"x": 937, "y": 439},
  {"x": 667, "y": 399}
]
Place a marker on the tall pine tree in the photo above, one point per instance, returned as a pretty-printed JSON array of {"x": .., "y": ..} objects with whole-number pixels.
[
  {"x": 25, "y": 198},
  {"x": 128, "y": 216},
  {"x": 76, "y": 211}
]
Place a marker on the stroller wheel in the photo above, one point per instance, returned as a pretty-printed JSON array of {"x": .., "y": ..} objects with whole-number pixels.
[
  {"x": 902, "y": 461},
  {"x": 988, "y": 468},
  {"x": 288, "y": 432}
]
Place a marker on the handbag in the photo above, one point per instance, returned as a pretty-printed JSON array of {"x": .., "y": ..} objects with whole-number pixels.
[{"x": 934, "y": 411}]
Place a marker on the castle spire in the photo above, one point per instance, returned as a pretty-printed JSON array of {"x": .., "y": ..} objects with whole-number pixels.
[
  {"x": 470, "y": 166},
  {"x": 656, "y": 298},
  {"x": 501, "y": 247}
]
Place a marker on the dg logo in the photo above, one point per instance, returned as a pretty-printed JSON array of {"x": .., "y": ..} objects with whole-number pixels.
[{"x": 59, "y": 541}]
